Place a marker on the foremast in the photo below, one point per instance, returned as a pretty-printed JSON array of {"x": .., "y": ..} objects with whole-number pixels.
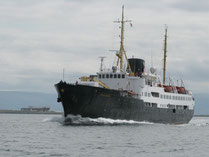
[{"x": 122, "y": 51}]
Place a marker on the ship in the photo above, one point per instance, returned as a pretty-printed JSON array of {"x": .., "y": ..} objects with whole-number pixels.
[
  {"x": 35, "y": 109},
  {"x": 127, "y": 92}
]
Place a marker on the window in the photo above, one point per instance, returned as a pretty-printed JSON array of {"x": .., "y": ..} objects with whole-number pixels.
[
  {"x": 115, "y": 75},
  {"x": 123, "y": 76},
  {"x": 147, "y": 104},
  {"x": 148, "y": 94},
  {"x": 107, "y": 76},
  {"x": 100, "y": 76},
  {"x": 145, "y": 94},
  {"x": 118, "y": 75},
  {"x": 103, "y": 75},
  {"x": 154, "y": 104},
  {"x": 171, "y": 106},
  {"x": 111, "y": 75},
  {"x": 155, "y": 94}
]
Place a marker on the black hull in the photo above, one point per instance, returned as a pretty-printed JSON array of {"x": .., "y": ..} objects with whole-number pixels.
[{"x": 95, "y": 102}]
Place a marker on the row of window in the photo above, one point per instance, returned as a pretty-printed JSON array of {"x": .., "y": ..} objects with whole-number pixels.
[
  {"x": 174, "y": 106},
  {"x": 148, "y": 104},
  {"x": 112, "y": 76},
  {"x": 183, "y": 98},
  {"x": 154, "y": 94}
]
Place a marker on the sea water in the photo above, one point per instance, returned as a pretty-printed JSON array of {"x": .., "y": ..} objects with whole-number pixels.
[{"x": 51, "y": 135}]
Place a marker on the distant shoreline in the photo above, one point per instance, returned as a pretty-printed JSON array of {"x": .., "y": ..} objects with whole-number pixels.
[
  {"x": 28, "y": 112},
  {"x": 51, "y": 112},
  {"x": 201, "y": 115}
]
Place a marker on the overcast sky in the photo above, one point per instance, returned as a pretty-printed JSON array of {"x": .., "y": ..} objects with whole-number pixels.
[{"x": 38, "y": 38}]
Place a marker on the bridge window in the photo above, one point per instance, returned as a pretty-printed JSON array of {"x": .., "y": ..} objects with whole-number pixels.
[
  {"x": 118, "y": 75},
  {"x": 107, "y": 76},
  {"x": 111, "y": 75},
  {"x": 115, "y": 75},
  {"x": 123, "y": 76}
]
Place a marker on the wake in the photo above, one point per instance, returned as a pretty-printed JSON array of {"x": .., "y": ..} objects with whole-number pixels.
[
  {"x": 199, "y": 121},
  {"x": 79, "y": 120}
]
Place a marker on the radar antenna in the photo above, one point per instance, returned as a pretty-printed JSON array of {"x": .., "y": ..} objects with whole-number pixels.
[{"x": 101, "y": 64}]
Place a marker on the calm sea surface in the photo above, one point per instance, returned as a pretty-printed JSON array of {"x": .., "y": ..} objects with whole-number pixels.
[{"x": 47, "y": 135}]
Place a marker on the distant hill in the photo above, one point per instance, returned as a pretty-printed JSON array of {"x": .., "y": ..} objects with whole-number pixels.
[{"x": 14, "y": 100}]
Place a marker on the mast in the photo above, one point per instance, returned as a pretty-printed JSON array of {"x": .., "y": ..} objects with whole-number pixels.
[
  {"x": 165, "y": 54},
  {"x": 122, "y": 52}
]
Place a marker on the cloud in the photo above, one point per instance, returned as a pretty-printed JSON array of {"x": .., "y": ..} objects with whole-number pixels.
[
  {"x": 40, "y": 38},
  {"x": 191, "y": 5}
]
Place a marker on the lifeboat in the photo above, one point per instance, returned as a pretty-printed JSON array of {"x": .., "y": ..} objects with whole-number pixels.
[
  {"x": 131, "y": 93},
  {"x": 168, "y": 88},
  {"x": 159, "y": 85},
  {"x": 181, "y": 90}
]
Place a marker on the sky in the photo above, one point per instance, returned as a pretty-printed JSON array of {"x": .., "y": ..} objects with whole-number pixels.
[{"x": 38, "y": 38}]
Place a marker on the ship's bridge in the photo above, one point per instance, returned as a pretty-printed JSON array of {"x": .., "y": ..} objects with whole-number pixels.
[
  {"x": 122, "y": 80},
  {"x": 102, "y": 76}
]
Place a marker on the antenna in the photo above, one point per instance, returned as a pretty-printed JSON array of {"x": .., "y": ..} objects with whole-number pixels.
[
  {"x": 165, "y": 55},
  {"x": 101, "y": 64},
  {"x": 151, "y": 60},
  {"x": 63, "y": 74}
]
